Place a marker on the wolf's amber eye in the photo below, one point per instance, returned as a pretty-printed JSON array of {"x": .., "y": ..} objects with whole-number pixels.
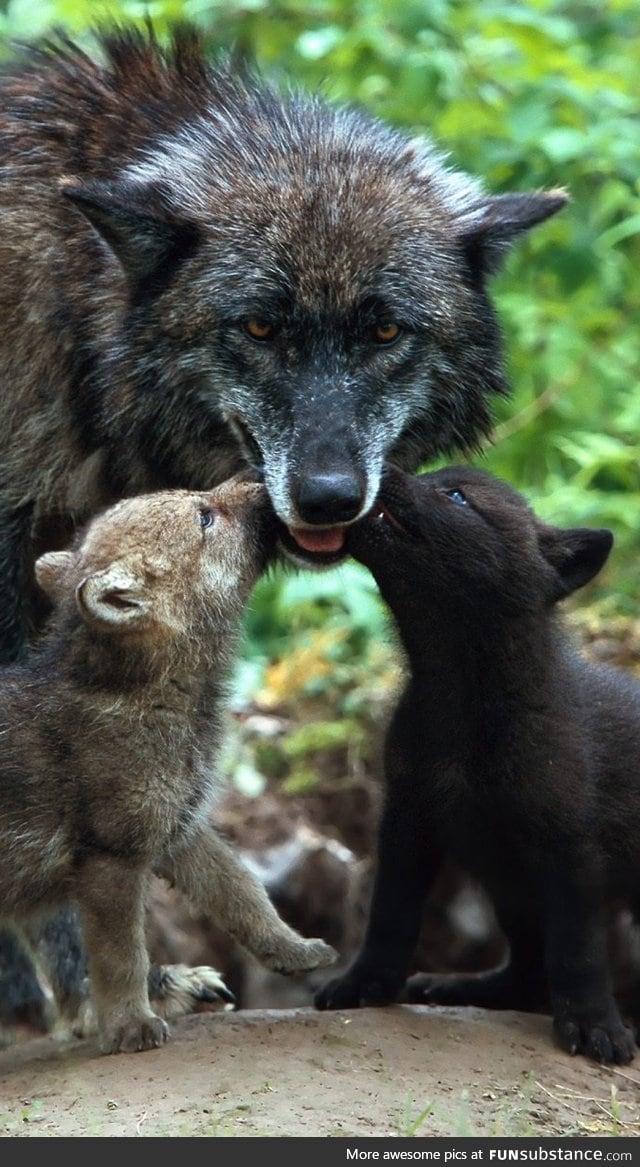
[
  {"x": 259, "y": 329},
  {"x": 386, "y": 332},
  {"x": 207, "y": 519}
]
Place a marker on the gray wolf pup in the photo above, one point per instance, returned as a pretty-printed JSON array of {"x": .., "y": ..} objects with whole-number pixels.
[
  {"x": 109, "y": 734},
  {"x": 508, "y": 752}
]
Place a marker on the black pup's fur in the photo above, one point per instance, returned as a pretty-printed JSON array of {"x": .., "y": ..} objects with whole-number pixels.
[{"x": 508, "y": 752}]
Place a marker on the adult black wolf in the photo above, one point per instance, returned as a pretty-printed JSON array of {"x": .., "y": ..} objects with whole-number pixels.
[{"x": 198, "y": 272}]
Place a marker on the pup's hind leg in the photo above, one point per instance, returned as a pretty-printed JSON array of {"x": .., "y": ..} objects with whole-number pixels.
[
  {"x": 519, "y": 984},
  {"x": 214, "y": 880},
  {"x": 111, "y": 899}
]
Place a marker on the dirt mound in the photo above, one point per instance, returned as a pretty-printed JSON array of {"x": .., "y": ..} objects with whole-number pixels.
[{"x": 387, "y": 1072}]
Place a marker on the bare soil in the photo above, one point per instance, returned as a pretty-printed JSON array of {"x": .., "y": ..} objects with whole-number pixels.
[{"x": 390, "y": 1072}]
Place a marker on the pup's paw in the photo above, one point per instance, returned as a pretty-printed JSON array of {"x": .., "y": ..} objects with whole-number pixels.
[
  {"x": 423, "y": 989},
  {"x": 357, "y": 989},
  {"x": 177, "y": 990},
  {"x": 604, "y": 1038},
  {"x": 303, "y": 956},
  {"x": 134, "y": 1034}
]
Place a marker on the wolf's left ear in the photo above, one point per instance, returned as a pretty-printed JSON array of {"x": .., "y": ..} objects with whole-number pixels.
[
  {"x": 114, "y": 599},
  {"x": 52, "y": 572},
  {"x": 489, "y": 228},
  {"x": 576, "y": 553},
  {"x": 130, "y": 219}
]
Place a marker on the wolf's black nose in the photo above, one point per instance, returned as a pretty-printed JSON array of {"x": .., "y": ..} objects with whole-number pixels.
[{"x": 329, "y": 498}]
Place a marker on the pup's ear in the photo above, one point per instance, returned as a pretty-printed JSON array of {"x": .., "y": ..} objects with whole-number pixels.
[
  {"x": 113, "y": 598},
  {"x": 489, "y": 229},
  {"x": 51, "y": 573},
  {"x": 576, "y": 553},
  {"x": 131, "y": 221}
]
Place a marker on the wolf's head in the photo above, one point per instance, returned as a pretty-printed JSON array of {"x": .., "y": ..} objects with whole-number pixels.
[{"x": 302, "y": 275}]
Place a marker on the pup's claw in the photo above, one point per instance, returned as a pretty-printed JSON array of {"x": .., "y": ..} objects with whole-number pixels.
[
  {"x": 604, "y": 1040},
  {"x": 133, "y": 1036}
]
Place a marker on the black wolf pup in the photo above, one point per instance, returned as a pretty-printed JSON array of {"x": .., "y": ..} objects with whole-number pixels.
[
  {"x": 508, "y": 752},
  {"x": 109, "y": 736}
]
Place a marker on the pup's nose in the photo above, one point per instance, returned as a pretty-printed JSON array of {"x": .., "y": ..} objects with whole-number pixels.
[{"x": 329, "y": 498}]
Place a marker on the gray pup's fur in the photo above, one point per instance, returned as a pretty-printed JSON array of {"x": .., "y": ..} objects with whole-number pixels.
[{"x": 109, "y": 738}]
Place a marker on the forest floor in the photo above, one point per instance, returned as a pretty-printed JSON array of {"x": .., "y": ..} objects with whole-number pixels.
[{"x": 393, "y": 1072}]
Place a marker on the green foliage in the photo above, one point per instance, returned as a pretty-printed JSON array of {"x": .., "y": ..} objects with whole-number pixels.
[{"x": 526, "y": 94}]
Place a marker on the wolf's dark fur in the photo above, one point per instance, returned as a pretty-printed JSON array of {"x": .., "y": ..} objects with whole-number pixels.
[
  {"x": 152, "y": 208},
  {"x": 197, "y": 272},
  {"x": 508, "y": 752}
]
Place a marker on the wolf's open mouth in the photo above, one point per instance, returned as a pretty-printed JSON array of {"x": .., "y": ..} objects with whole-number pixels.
[
  {"x": 329, "y": 544},
  {"x": 323, "y": 547},
  {"x": 324, "y": 541}
]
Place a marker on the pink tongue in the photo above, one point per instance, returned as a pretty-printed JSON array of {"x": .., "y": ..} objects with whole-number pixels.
[{"x": 327, "y": 540}]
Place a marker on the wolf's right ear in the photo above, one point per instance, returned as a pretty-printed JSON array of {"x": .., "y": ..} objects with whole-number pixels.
[
  {"x": 132, "y": 222},
  {"x": 576, "y": 553},
  {"x": 52, "y": 573},
  {"x": 488, "y": 229},
  {"x": 113, "y": 598}
]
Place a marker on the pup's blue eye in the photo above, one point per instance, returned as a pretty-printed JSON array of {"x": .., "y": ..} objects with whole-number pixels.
[
  {"x": 207, "y": 518},
  {"x": 457, "y": 496}
]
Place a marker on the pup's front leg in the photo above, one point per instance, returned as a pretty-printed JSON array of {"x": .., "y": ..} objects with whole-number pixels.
[
  {"x": 110, "y": 895},
  {"x": 586, "y": 1018},
  {"x": 408, "y": 858},
  {"x": 405, "y": 868},
  {"x": 214, "y": 880}
]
